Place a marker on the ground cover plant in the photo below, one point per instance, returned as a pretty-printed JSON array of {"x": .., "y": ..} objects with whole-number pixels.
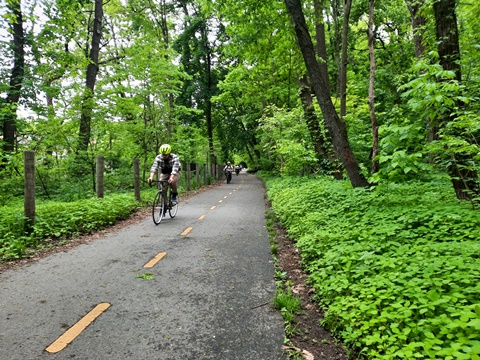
[
  {"x": 397, "y": 267},
  {"x": 57, "y": 219}
]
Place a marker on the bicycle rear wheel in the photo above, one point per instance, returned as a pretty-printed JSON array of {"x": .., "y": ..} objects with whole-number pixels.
[{"x": 158, "y": 209}]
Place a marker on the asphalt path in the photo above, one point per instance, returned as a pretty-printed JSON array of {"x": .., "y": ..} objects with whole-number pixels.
[{"x": 206, "y": 295}]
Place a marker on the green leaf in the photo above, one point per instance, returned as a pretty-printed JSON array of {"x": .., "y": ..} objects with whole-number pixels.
[{"x": 433, "y": 295}]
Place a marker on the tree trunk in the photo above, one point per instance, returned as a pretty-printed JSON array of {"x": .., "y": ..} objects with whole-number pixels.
[
  {"x": 371, "y": 87},
  {"x": 311, "y": 117},
  {"x": 9, "y": 127},
  {"x": 209, "y": 90},
  {"x": 161, "y": 18},
  {"x": 418, "y": 25},
  {"x": 322, "y": 150},
  {"x": 336, "y": 41},
  {"x": 464, "y": 180},
  {"x": 333, "y": 123},
  {"x": 447, "y": 36},
  {"x": 92, "y": 70},
  {"x": 321, "y": 43},
  {"x": 344, "y": 59}
]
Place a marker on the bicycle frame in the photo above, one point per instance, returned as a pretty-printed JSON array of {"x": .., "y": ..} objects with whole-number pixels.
[{"x": 162, "y": 202}]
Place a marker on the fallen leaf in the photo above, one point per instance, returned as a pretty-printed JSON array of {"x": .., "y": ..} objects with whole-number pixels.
[{"x": 306, "y": 355}]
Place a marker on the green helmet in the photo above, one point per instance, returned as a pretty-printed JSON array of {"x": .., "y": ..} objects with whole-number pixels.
[{"x": 165, "y": 149}]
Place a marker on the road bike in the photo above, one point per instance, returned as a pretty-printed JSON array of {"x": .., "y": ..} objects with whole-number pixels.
[{"x": 162, "y": 202}]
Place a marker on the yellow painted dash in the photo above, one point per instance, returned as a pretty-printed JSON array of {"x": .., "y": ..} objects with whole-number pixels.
[
  {"x": 213, "y": 207},
  {"x": 187, "y": 230},
  {"x": 155, "y": 260},
  {"x": 220, "y": 201},
  {"x": 202, "y": 217},
  {"x": 62, "y": 342},
  {"x": 225, "y": 197}
]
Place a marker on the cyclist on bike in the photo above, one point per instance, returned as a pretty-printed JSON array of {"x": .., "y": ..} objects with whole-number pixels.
[
  {"x": 228, "y": 169},
  {"x": 169, "y": 165}
]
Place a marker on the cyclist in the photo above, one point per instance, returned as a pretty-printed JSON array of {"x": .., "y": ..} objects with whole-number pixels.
[
  {"x": 169, "y": 165},
  {"x": 228, "y": 169}
]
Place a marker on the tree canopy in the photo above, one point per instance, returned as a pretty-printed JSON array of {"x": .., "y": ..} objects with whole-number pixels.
[{"x": 384, "y": 91}]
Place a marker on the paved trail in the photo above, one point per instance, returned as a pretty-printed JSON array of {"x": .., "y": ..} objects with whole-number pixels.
[{"x": 209, "y": 297}]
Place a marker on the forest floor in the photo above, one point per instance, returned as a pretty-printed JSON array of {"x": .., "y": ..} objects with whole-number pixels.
[{"x": 309, "y": 340}]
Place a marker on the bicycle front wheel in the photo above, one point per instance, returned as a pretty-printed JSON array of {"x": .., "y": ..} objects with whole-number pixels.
[
  {"x": 158, "y": 209},
  {"x": 173, "y": 209}
]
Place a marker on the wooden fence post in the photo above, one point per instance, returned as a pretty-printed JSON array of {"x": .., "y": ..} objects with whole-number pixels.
[
  {"x": 99, "y": 170},
  {"x": 197, "y": 175},
  {"x": 189, "y": 176},
  {"x": 136, "y": 178},
  {"x": 29, "y": 188},
  {"x": 205, "y": 178},
  {"x": 219, "y": 171}
]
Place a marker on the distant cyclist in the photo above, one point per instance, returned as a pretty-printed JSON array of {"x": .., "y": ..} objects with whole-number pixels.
[
  {"x": 169, "y": 165},
  {"x": 228, "y": 170}
]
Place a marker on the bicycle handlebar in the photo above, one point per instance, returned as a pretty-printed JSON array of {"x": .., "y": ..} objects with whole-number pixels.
[{"x": 157, "y": 181}]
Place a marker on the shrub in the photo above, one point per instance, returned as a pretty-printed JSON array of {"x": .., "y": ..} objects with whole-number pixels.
[{"x": 397, "y": 267}]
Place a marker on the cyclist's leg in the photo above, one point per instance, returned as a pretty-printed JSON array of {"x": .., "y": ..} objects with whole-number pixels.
[{"x": 174, "y": 185}]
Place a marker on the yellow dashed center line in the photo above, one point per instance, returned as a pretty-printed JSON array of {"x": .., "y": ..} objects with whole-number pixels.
[
  {"x": 202, "y": 217},
  {"x": 220, "y": 201},
  {"x": 225, "y": 197},
  {"x": 187, "y": 230},
  {"x": 76, "y": 329},
  {"x": 213, "y": 207},
  {"x": 155, "y": 260}
]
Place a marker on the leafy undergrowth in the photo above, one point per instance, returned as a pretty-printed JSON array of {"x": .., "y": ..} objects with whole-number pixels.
[
  {"x": 60, "y": 220},
  {"x": 397, "y": 268}
]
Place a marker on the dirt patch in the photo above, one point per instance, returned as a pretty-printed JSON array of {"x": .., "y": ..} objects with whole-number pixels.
[{"x": 309, "y": 337}]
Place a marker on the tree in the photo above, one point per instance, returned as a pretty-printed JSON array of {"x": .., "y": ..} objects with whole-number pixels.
[
  {"x": 344, "y": 59},
  {"x": 464, "y": 178},
  {"x": 371, "y": 87},
  {"x": 16, "y": 76},
  {"x": 91, "y": 77},
  {"x": 199, "y": 46},
  {"x": 333, "y": 123},
  {"x": 418, "y": 25}
]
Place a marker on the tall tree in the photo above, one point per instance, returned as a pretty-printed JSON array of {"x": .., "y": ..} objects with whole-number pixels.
[
  {"x": 418, "y": 25},
  {"x": 91, "y": 77},
  {"x": 198, "y": 53},
  {"x": 464, "y": 178},
  {"x": 344, "y": 58},
  {"x": 335, "y": 125},
  {"x": 321, "y": 46},
  {"x": 371, "y": 87},
  {"x": 16, "y": 76}
]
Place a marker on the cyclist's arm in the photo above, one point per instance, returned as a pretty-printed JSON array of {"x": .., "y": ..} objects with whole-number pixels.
[
  {"x": 153, "y": 169},
  {"x": 176, "y": 165}
]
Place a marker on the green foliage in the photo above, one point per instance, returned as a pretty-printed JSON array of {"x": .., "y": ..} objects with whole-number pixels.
[
  {"x": 288, "y": 305},
  {"x": 146, "y": 276},
  {"x": 285, "y": 138},
  {"x": 434, "y": 100},
  {"x": 56, "y": 220},
  {"x": 397, "y": 267}
]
